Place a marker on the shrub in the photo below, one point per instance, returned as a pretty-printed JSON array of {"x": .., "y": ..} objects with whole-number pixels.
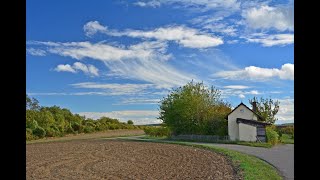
[
  {"x": 157, "y": 131},
  {"x": 39, "y": 132},
  {"x": 31, "y": 124},
  {"x": 113, "y": 126},
  {"x": 76, "y": 126},
  {"x": 52, "y": 131},
  {"x": 288, "y": 130},
  {"x": 88, "y": 129},
  {"x": 272, "y": 136},
  {"x": 69, "y": 128},
  {"x": 101, "y": 127},
  {"x": 29, "y": 135}
]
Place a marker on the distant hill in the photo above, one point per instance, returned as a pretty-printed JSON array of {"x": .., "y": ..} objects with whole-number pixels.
[
  {"x": 151, "y": 125},
  {"x": 285, "y": 124}
]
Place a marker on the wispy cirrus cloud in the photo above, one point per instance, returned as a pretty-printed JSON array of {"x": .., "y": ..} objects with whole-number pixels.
[
  {"x": 203, "y": 5},
  {"x": 269, "y": 40},
  {"x": 184, "y": 36},
  {"x": 36, "y": 52},
  {"x": 128, "y": 101},
  {"x": 78, "y": 66},
  {"x": 105, "y": 52},
  {"x": 259, "y": 74},
  {"x": 114, "y": 87},
  {"x": 143, "y": 61},
  {"x": 89, "y": 93}
]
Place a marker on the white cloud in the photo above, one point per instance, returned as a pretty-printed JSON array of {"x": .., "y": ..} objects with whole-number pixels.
[
  {"x": 233, "y": 41},
  {"x": 217, "y": 22},
  {"x": 128, "y": 101},
  {"x": 184, "y": 36},
  {"x": 256, "y": 73},
  {"x": 241, "y": 96},
  {"x": 236, "y": 87},
  {"x": 36, "y": 52},
  {"x": 266, "y": 17},
  {"x": 106, "y": 52},
  {"x": 150, "y": 3},
  {"x": 111, "y": 92},
  {"x": 95, "y": 93},
  {"x": 275, "y": 92},
  {"x": 47, "y": 94},
  {"x": 64, "y": 68},
  {"x": 203, "y": 5},
  {"x": 238, "y": 92},
  {"x": 87, "y": 69},
  {"x": 254, "y": 92},
  {"x": 271, "y": 40},
  {"x": 139, "y": 117},
  {"x": 93, "y": 27},
  {"x": 78, "y": 66},
  {"x": 286, "y": 110},
  {"x": 144, "y": 61},
  {"x": 115, "y": 88},
  {"x": 93, "y": 70},
  {"x": 222, "y": 28}
]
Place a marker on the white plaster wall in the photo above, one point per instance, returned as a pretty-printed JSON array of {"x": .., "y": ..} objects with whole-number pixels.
[
  {"x": 233, "y": 127},
  {"x": 247, "y": 132}
]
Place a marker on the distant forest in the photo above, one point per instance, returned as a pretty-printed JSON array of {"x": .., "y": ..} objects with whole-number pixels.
[{"x": 55, "y": 121}]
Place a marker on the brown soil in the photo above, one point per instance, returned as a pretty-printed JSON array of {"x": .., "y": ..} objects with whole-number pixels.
[{"x": 117, "y": 159}]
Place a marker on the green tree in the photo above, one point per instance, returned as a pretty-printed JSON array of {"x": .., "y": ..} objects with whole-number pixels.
[
  {"x": 192, "y": 109},
  {"x": 266, "y": 108},
  {"x": 130, "y": 122},
  {"x": 32, "y": 104},
  {"x": 45, "y": 119}
]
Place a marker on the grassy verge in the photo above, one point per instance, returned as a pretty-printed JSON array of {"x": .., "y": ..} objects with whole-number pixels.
[
  {"x": 253, "y": 144},
  {"x": 95, "y": 135},
  {"x": 287, "y": 139},
  {"x": 250, "y": 167}
]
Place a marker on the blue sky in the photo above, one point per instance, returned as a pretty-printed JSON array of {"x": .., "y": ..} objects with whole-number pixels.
[{"x": 119, "y": 58}]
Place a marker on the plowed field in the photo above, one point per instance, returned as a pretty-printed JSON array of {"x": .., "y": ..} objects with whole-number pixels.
[{"x": 117, "y": 159}]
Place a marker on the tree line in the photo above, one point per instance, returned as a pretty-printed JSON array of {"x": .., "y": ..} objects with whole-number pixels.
[
  {"x": 191, "y": 109},
  {"x": 55, "y": 121}
]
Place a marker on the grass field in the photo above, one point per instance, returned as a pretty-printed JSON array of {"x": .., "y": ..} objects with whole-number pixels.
[
  {"x": 287, "y": 139},
  {"x": 95, "y": 135}
]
